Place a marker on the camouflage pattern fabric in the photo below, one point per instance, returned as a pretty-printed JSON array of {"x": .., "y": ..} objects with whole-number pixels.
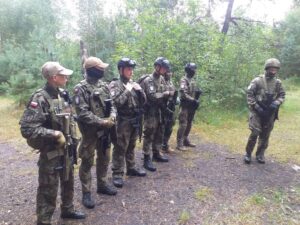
[
  {"x": 127, "y": 104},
  {"x": 261, "y": 128},
  {"x": 154, "y": 86},
  {"x": 186, "y": 113},
  {"x": 89, "y": 97},
  {"x": 38, "y": 124}
]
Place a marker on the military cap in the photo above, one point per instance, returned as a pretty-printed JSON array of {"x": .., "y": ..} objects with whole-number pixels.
[
  {"x": 95, "y": 62},
  {"x": 54, "y": 68}
]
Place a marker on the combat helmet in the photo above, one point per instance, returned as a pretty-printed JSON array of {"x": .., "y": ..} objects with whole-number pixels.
[
  {"x": 163, "y": 62},
  {"x": 272, "y": 62},
  {"x": 126, "y": 62},
  {"x": 190, "y": 67}
]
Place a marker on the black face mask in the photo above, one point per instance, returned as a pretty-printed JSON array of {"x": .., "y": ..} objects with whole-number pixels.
[
  {"x": 270, "y": 74},
  {"x": 191, "y": 73},
  {"x": 95, "y": 73}
]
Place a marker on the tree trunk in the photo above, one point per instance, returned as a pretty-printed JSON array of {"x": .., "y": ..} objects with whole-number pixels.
[
  {"x": 83, "y": 55},
  {"x": 227, "y": 17}
]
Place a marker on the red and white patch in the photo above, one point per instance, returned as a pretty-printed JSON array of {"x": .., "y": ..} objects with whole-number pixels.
[{"x": 34, "y": 105}]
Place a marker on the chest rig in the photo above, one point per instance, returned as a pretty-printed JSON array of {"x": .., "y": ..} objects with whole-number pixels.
[
  {"x": 96, "y": 96},
  {"x": 268, "y": 89}
]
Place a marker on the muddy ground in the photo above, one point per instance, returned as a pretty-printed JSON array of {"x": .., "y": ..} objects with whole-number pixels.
[{"x": 203, "y": 182}]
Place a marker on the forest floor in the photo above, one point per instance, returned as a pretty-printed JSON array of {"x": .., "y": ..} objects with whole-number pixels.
[{"x": 205, "y": 185}]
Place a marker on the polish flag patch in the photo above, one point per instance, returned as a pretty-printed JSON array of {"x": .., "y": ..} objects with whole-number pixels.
[{"x": 34, "y": 105}]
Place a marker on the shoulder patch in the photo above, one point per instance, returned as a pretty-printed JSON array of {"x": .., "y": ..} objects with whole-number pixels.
[{"x": 33, "y": 105}]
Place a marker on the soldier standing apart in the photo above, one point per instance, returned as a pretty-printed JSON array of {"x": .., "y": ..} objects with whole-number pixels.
[
  {"x": 157, "y": 95},
  {"x": 129, "y": 98},
  {"x": 189, "y": 102},
  {"x": 95, "y": 118},
  {"x": 169, "y": 115},
  {"x": 43, "y": 127},
  {"x": 264, "y": 96}
]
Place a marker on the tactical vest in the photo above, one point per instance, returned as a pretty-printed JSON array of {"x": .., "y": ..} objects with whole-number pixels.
[
  {"x": 267, "y": 87},
  {"x": 96, "y": 94}
]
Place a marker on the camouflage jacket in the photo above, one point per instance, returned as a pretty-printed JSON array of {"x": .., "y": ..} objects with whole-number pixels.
[
  {"x": 260, "y": 87},
  {"x": 154, "y": 86},
  {"x": 89, "y": 97},
  {"x": 39, "y": 120},
  {"x": 127, "y": 102},
  {"x": 187, "y": 90}
]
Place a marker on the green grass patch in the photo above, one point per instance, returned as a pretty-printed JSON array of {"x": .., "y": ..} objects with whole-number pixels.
[
  {"x": 230, "y": 128},
  {"x": 203, "y": 193},
  {"x": 184, "y": 217}
]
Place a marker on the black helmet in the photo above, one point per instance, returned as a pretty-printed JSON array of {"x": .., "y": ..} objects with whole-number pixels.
[
  {"x": 190, "y": 67},
  {"x": 126, "y": 62},
  {"x": 163, "y": 62}
]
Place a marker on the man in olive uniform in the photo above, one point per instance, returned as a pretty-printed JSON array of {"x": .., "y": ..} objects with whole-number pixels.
[
  {"x": 264, "y": 96},
  {"x": 95, "y": 118},
  {"x": 42, "y": 126},
  {"x": 129, "y": 98},
  {"x": 189, "y": 102},
  {"x": 169, "y": 115},
  {"x": 157, "y": 96}
]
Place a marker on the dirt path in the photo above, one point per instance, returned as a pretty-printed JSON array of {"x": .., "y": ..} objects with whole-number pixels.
[{"x": 202, "y": 182}]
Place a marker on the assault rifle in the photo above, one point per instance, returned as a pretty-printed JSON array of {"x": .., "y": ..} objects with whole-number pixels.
[
  {"x": 198, "y": 93},
  {"x": 70, "y": 149},
  {"x": 267, "y": 110},
  {"x": 105, "y": 137}
]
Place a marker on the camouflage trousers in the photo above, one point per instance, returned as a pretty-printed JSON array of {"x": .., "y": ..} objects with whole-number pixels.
[
  {"x": 260, "y": 130},
  {"x": 49, "y": 178},
  {"x": 186, "y": 117},
  {"x": 123, "y": 150},
  {"x": 153, "y": 131},
  {"x": 87, "y": 153},
  {"x": 167, "y": 130}
]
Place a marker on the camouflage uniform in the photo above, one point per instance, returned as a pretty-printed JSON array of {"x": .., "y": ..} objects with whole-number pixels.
[
  {"x": 154, "y": 86},
  {"x": 128, "y": 105},
  {"x": 169, "y": 118},
  {"x": 89, "y": 96},
  {"x": 261, "y": 128},
  {"x": 38, "y": 124},
  {"x": 187, "y": 111}
]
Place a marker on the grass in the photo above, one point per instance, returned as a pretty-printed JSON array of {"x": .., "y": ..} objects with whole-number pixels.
[
  {"x": 184, "y": 217},
  {"x": 203, "y": 193},
  {"x": 273, "y": 206},
  {"x": 231, "y": 129}
]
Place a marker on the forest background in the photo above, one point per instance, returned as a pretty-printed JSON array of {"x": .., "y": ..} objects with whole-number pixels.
[{"x": 229, "y": 54}]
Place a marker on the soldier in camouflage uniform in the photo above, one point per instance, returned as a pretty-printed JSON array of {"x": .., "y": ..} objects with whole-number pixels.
[
  {"x": 42, "y": 127},
  {"x": 90, "y": 96},
  {"x": 264, "y": 96},
  {"x": 129, "y": 98},
  {"x": 157, "y": 96},
  {"x": 169, "y": 115},
  {"x": 188, "y": 106}
]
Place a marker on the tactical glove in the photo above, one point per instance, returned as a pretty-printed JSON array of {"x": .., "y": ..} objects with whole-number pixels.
[
  {"x": 274, "y": 105},
  {"x": 60, "y": 139}
]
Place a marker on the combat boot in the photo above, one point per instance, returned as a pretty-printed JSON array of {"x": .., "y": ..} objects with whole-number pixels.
[
  {"x": 260, "y": 159},
  {"x": 247, "y": 158},
  {"x": 187, "y": 143},
  {"x": 167, "y": 149},
  {"x": 106, "y": 190},
  {"x": 180, "y": 147},
  {"x": 118, "y": 182},
  {"x": 148, "y": 165},
  {"x": 73, "y": 215},
  {"x": 136, "y": 172},
  {"x": 159, "y": 157},
  {"x": 87, "y": 200}
]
